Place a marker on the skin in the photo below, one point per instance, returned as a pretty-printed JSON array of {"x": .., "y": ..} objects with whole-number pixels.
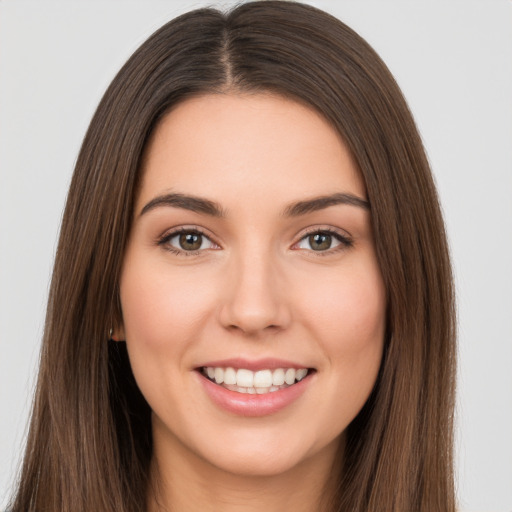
[{"x": 255, "y": 289}]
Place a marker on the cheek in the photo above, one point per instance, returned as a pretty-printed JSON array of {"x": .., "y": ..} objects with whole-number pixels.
[
  {"x": 161, "y": 307},
  {"x": 163, "y": 312},
  {"x": 349, "y": 323},
  {"x": 349, "y": 313}
]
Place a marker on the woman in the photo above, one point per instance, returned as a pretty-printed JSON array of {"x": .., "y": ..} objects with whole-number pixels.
[{"x": 251, "y": 306}]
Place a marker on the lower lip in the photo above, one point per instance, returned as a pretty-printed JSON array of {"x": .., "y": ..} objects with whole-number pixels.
[{"x": 245, "y": 404}]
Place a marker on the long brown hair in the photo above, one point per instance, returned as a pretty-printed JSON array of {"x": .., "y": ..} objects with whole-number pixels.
[{"x": 89, "y": 445}]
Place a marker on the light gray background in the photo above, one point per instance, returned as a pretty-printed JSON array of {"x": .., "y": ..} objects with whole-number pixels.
[{"x": 453, "y": 60}]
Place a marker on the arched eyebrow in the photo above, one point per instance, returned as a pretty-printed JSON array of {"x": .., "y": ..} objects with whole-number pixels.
[
  {"x": 319, "y": 203},
  {"x": 186, "y": 202},
  {"x": 207, "y": 207}
]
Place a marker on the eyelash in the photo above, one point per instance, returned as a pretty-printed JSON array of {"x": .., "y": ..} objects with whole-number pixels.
[
  {"x": 164, "y": 241},
  {"x": 345, "y": 242}
]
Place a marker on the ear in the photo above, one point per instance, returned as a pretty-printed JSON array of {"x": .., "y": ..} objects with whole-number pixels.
[{"x": 117, "y": 333}]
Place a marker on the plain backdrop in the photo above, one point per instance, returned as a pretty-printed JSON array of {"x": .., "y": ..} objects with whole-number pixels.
[{"x": 453, "y": 60}]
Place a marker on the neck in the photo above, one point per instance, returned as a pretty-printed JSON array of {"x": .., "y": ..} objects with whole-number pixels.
[{"x": 185, "y": 482}]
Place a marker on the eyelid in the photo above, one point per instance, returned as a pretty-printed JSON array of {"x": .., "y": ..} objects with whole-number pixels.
[
  {"x": 342, "y": 236},
  {"x": 170, "y": 233}
]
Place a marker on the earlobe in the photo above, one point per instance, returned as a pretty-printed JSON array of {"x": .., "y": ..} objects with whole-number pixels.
[{"x": 116, "y": 333}]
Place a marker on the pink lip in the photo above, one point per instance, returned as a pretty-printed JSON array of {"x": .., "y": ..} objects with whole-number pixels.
[
  {"x": 244, "y": 404},
  {"x": 253, "y": 365}
]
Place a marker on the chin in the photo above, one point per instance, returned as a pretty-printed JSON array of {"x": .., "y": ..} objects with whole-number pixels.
[
  {"x": 257, "y": 456},
  {"x": 259, "y": 464}
]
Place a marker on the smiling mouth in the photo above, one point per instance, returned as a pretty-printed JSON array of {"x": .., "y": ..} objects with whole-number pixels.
[{"x": 254, "y": 383}]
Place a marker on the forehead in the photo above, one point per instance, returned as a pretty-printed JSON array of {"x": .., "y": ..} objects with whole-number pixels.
[{"x": 235, "y": 146}]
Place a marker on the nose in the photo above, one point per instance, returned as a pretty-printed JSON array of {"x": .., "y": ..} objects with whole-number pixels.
[{"x": 254, "y": 300}]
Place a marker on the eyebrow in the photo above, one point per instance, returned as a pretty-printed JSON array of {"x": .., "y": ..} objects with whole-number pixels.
[
  {"x": 213, "y": 209},
  {"x": 186, "y": 202},
  {"x": 319, "y": 203}
]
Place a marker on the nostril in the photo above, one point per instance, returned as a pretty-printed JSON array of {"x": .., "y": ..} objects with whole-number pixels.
[{"x": 252, "y": 329}]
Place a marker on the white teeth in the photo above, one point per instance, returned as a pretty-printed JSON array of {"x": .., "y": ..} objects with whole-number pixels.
[
  {"x": 253, "y": 391},
  {"x": 238, "y": 389},
  {"x": 260, "y": 382},
  {"x": 300, "y": 374},
  {"x": 278, "y": 377},
  {"x": 263, "y": 379},
  {"x": 289, "y": 376},
  {"x": 245, "y": 378},
  {"x": 230, "y": 376},
  {"x": 219, "y": 375}
]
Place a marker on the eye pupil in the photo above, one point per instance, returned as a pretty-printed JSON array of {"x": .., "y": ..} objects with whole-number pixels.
[
  {"x": 320, "y": 241},
  {"x": 190, "y": 241}
]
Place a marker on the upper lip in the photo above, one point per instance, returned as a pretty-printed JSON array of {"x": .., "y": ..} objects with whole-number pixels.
[{"x": 253, "y": 364}]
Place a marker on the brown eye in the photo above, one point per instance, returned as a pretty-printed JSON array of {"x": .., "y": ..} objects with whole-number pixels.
[
  {"x": 190, "y": 241},
  {"x": 324, "y": 242},
  {"x": 320, "y": 241},
  {"x": 187, "y": 242}
]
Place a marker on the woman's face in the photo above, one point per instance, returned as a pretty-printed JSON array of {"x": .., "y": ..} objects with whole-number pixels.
[{"x": 251, "y": 261}]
